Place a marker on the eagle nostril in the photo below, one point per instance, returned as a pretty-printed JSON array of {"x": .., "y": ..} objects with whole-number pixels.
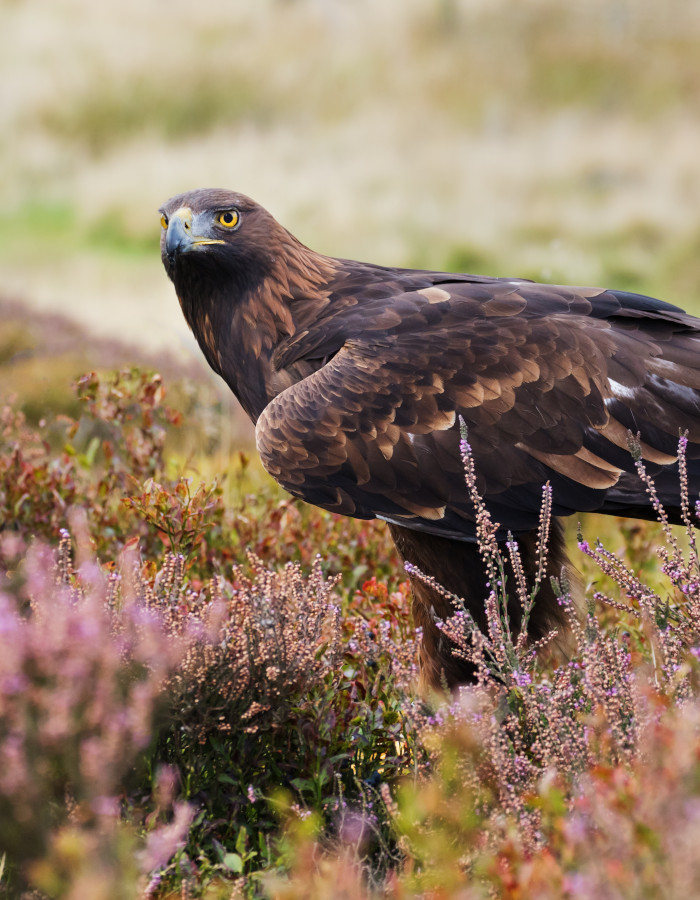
[{"x": 187, "y": 225}]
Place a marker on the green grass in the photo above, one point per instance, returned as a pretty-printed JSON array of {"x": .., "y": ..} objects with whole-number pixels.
[{"x": 55, "y": 230}]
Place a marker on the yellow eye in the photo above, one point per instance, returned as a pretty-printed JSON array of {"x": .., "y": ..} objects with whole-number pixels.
[
  {"x": 164, "y": 221},
  {"x": 229, "y": 219}
]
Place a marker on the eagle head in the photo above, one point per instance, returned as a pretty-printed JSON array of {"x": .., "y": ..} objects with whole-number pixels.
[{"x": 214, "y": 237}]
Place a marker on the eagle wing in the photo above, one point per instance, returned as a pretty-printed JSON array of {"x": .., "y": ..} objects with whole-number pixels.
[{"x": 548, "y": 379}]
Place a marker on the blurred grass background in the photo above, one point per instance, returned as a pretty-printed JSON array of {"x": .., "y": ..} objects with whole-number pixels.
[{"x": 510, "y": 137}]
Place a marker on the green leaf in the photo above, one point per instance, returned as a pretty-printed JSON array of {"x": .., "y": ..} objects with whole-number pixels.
[
  {"x": 233, "y": 862},
  {"x": 223, "y": 778},
  {"x": 241, "y": 840}
]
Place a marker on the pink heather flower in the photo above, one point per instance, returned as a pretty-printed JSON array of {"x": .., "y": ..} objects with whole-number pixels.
[{"x": 163, "y": 843}]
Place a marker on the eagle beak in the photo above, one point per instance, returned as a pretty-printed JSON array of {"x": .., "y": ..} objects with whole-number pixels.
[{"x": 180, "y": 237}]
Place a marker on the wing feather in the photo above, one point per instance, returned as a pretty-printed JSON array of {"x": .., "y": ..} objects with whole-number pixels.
[{"x": 548, "y": 380}]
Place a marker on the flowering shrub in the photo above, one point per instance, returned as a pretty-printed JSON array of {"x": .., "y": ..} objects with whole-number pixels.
[
  {"x": 156, "y": 658},
  {"x": 185, "y": 712},
  {"x": 575, "y": 781},
  {"x": 282, "y": 696},
  {"x": 81, "y": 677}
]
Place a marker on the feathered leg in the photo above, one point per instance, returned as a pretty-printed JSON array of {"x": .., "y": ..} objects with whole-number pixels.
[{"x": 458, "y": 567}]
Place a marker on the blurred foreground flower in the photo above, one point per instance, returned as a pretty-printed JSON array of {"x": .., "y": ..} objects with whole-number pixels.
[{"x": 83, "y": 666}]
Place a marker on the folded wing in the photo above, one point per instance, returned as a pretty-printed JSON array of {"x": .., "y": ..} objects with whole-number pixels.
[{"x": 549, "y": 381}]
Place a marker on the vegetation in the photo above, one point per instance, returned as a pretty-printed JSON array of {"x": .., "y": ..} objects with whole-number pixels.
[
  {"x": 208, "y": 689},
  {"x": 194, "y": 703},
  {"x": 539, "y": 139}
]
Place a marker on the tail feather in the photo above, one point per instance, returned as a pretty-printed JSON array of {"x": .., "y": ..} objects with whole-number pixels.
[
  {"x": 630, "y": 497},
  {"x": 458, "y": 567}
]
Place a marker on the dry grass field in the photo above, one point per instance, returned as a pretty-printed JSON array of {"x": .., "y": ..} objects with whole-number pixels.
[{"x": 556, "y": 141}]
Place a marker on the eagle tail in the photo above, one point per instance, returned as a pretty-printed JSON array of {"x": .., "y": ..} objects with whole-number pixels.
[
  {"x": 631, "y": 497},
  {"x": 457, "y": 566}
]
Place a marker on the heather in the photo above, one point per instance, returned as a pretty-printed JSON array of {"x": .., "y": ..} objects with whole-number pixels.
[{"x": 209, "y": 690}]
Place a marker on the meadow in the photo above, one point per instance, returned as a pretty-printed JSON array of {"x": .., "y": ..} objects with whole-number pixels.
[{"x": 208, "y": 689}]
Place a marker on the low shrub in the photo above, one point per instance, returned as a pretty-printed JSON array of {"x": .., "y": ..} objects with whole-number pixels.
[{"x": 193, "y": 703}]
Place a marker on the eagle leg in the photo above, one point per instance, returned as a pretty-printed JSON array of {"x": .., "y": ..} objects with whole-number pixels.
[{"x": 458, "y": 567}]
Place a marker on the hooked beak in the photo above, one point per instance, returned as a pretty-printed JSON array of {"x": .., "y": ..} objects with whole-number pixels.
[{"x": 180, "y": 237}]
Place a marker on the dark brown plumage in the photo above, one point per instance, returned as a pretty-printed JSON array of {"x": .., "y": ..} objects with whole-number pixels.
[{"x": 356, "y": 375}]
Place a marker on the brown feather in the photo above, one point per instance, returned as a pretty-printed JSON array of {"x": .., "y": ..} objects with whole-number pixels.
[{"x": 356, "y": 376}]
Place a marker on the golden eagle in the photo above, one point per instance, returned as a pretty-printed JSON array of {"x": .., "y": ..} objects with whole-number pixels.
[{"x": 356, "y": 376}]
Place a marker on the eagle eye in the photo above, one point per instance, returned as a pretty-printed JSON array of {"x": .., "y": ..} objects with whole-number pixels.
[
  {"x": 229, "y": 219},
  {"x": 164, "y": 221}
]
